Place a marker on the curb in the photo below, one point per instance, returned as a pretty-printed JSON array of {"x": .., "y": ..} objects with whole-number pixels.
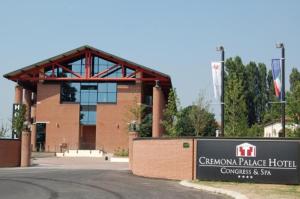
[{"x": 232, "y": 194}]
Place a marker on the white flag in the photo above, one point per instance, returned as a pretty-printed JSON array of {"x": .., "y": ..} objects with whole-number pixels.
[{"x": 216, "y": 75}]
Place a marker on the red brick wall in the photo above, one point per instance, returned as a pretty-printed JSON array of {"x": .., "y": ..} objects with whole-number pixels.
[
  {"x": 10, "y": 153},
  {"x": 163, "y": 158},
  {"x": 112, "y": 119},
  {"x": 63, "y": 126}
]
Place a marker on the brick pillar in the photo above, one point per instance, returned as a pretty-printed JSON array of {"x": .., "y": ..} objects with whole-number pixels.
[
  {"x": 33, "y": 128},
  {"x": 33, "y": 137},
  {"x": 33, "y": 125},
  {"x": 157, "y": 111},
  {"x": 131, "y": 136},
  {"x": 27, "y": 102},
  {"x": 25, "y": 149},
  {"x": 18, "y": 94}
]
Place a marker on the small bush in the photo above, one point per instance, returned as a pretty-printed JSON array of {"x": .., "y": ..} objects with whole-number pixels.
[{"x": 121, "y": 152}]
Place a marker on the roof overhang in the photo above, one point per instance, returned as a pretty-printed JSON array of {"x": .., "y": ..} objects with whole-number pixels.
[{"x": 28, "y": 76}]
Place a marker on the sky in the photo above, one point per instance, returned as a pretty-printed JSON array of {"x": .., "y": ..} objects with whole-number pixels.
[{"x": 172, "y": 36}]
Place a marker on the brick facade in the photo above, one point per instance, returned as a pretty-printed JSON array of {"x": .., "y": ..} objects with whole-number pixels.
[
  {"x": 62, "y": 120},
  {"x": 63, "y": 123},
  {"x": 163, "y": 158},
  {"x": 112, "y": 119},
  {"x": 10, "y": 153}
]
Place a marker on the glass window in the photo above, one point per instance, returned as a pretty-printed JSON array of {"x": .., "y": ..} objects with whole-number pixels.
[
  {"x": 102, "y": 97},
  {"x": 107, "y": 93},
  {"x": 92, "y": 117},
  {"x": 77, "y": 66},
  {"x": 100, "y": 65},
  {"x": 112, "y": 87},
  {"x": 129, "y": 71},
  {"x": 116, "y": 73},
  {"x": 60, "y": 73},
  {"x": 84, "y": 97},
  {"x": 88, "y": 95},
  {"x": 102, "y": 87},
  {"x": 48, "y": 71},
  {"x": 83, "y": 116},
  {"x": 70, "y": 92},
  {"x": 111, "y": 97},
  {"x": 88, "y": 114},
  {"x": 93, "y": 97}
]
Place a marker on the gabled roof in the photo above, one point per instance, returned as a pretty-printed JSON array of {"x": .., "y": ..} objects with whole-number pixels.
[{"x": 77, "y": 50}]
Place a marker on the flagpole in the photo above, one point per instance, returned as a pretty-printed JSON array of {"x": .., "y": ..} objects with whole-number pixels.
[
  {"x": 281, "y": 45},
  {"x": 221, "y": 48}
]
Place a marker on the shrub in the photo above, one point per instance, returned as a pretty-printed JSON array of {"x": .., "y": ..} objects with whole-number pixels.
[{"x": 121, "y": 152}]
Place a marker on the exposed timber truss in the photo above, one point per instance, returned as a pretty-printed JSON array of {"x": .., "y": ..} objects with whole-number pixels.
[{"x": 47, "y": 70}]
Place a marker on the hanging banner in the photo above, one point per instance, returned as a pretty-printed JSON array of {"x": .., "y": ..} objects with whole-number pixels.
[
  {"x": 216, "y": 75},
  {"x": 276, "y": 71}
]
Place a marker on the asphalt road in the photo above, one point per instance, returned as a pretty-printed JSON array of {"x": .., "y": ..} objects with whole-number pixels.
[{"x": 47, "y": 183}]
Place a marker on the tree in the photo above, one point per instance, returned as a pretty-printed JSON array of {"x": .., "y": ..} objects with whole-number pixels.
[
  {"x": 184, "y": 125},
  {"x": 211, "y": 125},
  {"x": 293, "y": 133},
  {"x": 263, "y": 90},
  {"x": 236, "y": 112},
  {"x": 146, "y": 126},
  {"x": 19, "y": 119},
  {"x": 171, "y": 113},
  {"x": 273, "y": 107},
  {"x": 255, "y": 131},
  {"x": 202, "y": 120},
  {"x": 140, "y": 119},
  {"x": 255, "y": 92},
  {"x": 293, "y": 103},
  {"x": 252, "y": 93},
  {"x": 4, "y": 129},
  {"x": 294, "y": 78}
]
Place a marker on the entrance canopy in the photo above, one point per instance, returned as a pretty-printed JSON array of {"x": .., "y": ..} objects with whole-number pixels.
[{"x": 87, "y": 64}]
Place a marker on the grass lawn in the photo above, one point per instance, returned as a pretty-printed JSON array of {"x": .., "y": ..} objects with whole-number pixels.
[{"x": 258, "y": 191}]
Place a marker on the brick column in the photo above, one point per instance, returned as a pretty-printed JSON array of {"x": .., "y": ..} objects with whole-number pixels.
[
  {"x": 27, "y": 102},
  {"x": 18, "y": 94},
  {"x": 131, "y": 136},
  {"x": 157, "y": 111},
  {"x": 25, "y": 149},
  {"x": 33, "y": 128}
]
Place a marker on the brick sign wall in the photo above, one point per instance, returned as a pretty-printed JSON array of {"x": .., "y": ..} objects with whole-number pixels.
[{"x": 10, "y": 153}]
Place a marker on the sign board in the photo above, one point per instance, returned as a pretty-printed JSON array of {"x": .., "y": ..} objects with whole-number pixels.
[
  {"x": 16, "y": 108},
  {"x": 246, "y": 160}
]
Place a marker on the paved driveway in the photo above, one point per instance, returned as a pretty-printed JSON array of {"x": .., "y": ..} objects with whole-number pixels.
[{"x": 63, "y": 182}]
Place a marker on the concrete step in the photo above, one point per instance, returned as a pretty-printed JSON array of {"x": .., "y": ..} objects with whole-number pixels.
[
  {"x": 42, "y": 154},
  {"x": 119, "y": 159},
  {"x": 81, "y": 153}
]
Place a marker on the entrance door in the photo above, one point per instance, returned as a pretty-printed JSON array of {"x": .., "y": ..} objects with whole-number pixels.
[
  {"x": 40, "y": 136},
  {"x": 88, "y": 137}
]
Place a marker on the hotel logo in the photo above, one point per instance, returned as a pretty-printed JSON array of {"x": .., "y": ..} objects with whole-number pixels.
[{"x": 245, "y": 150}]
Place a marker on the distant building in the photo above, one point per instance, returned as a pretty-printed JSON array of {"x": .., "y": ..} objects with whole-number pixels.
[{"x": 274, "y": 129}]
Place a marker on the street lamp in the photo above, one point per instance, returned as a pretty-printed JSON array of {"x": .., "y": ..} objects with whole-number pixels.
[
  {"x": 281, "y": 45},
  {"x": 221, "y": 49}
]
